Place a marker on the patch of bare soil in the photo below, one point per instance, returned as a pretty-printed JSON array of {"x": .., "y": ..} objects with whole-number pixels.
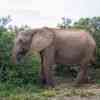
[{"x": 66, "y": 90}]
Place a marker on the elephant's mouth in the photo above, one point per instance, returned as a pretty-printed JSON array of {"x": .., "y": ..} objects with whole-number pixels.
[{"x": 20, "y": 55}]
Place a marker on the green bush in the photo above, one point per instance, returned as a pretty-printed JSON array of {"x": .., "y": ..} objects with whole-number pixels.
[{"x": 16, "y": 74}]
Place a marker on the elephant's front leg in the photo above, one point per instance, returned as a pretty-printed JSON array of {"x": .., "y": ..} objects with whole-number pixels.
[{"x": 47, "y": 62}]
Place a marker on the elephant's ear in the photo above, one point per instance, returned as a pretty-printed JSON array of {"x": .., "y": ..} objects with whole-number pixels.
[{"x": 42, "y": 39}]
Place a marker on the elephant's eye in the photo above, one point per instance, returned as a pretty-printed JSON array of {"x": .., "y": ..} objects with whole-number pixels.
[{"x": 22, "y": 41}]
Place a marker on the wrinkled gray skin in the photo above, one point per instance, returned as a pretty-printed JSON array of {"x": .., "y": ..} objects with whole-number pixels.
[{"x": 57, "y": 46}]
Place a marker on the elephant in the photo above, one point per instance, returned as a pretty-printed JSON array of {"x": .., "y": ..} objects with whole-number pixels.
[{"x": 57, "y": 46}]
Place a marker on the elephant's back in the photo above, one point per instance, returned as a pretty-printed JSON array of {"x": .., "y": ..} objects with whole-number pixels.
[
  {"x": 70, "y": 37},
  {"x": 70, "y": 34}
]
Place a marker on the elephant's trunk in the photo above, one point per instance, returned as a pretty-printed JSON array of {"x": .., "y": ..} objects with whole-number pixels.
[{"x": 17, "y": 55}]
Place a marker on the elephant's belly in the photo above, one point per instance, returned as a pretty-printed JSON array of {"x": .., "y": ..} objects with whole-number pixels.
[
  {"x": 67, "y": 61},
  {"x": 69, "y": 57}
]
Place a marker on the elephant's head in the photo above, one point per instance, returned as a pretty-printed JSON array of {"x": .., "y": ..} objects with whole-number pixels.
[{"x": 34, "y": 40}]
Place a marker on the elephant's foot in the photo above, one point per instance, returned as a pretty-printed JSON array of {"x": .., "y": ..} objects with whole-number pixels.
[
  {"x": 43, "y": 81},
  {"x": 82, "y": 81},
  {"x": 85, "y": 81},
  {"x": 47, "y": 83}
]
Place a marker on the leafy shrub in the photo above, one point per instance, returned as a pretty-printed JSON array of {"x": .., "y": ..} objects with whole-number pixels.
[{"x": 16, "y": 74}]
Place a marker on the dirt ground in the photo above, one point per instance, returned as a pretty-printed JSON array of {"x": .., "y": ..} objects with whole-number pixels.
[
  {"x": 68, "y": 91},
  {"x": 77, "y": 98}
]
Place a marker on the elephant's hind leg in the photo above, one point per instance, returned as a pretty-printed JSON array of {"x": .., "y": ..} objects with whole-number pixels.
[{"x": 83, "y": 74}]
